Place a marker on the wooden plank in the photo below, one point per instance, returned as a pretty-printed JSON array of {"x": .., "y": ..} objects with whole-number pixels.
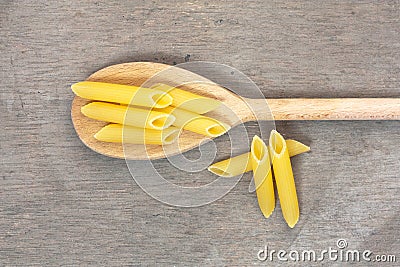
[{"x": 63, "y": 204}]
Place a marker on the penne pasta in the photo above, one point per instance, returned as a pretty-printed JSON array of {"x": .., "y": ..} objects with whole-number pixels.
[
  {"x": 284, "y": 178},
  {"x": 121, "y": 114},
  {"x": 220, "y": 168},
  {"x": 124, "y": 94},
  {"x": 196, "y": 123},
  {"x": 187, "y": 100},
  {"x": 262, "y": 174},
  {"x": 232, "y": 167},
  {"x": 259, "y": 160},
  {"x": 117, "y": 133},
  {"x": 295, "y": 147}
]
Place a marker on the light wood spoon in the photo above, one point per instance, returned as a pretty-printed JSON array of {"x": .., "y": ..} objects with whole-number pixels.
[{"x": 136, "y": 73}]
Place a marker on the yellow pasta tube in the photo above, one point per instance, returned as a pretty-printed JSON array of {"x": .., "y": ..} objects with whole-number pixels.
[
  {"x": 124, "y": 94},
  {"x": 284, "y": 178},
  {"x": 117, "y": 133},
  {"x": 232, "y": 166},
  {"x": 262, "y": 174},
  {"x": 294, "y": 148},
  {"x": 187, "y": 100},
  {"x": 128, "y": 115},
  {"x": 196, "y": 123}
]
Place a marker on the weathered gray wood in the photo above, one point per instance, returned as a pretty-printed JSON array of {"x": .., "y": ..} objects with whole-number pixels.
[{"x": 61, "y": 203}]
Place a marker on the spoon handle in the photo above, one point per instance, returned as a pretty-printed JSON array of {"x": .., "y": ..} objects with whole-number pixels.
[{"x": 329, "y": 108}]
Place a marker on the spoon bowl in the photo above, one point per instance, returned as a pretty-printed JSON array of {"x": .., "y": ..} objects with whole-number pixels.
[{"x": 138, "y": 74}]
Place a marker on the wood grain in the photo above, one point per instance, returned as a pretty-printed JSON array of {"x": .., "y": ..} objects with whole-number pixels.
[
  {"x": 335, "y": 108},
  {"x": 63, "y": 204}
]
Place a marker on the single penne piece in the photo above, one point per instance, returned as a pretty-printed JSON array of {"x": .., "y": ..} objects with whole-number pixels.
[
  {"x": 196, "y": 123},
  {"x": 124, "y": 94},
  {"x": 187, "y": 100},
  {"x": 117, "y": 133},
  {"x": 262, "y": 174},
  {"x": 295, "y": 147},
  {"x": 284, "y": 178},
  {"x": 220, "y": 167},
  {"x": 233, "y": 166},
  {"x": 122, "y": 114}
]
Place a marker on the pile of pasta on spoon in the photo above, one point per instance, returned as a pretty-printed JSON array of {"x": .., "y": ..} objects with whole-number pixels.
[
  {"x": 155, "y": 116},
  {"x": 152, "y": 116}
]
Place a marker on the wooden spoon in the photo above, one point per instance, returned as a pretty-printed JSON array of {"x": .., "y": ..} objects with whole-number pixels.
[{"x": 136, "y": 73}]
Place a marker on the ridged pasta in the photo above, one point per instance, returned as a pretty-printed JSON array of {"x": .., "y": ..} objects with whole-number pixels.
[
  {"x": 221, "y": 168},
  {"x": 124, "y": 94},
  {"x": 262, "y": 174},
  {"x": 187, "y": 100},
  {"x": 128, "y": 115},
  {"x": 295, "y": 147},
  {"x": 117, "y": 133},
  {"x": 196, "y": 123},
  {"x": 233, "y": 166},
  {"x": 284, "y": 178}
]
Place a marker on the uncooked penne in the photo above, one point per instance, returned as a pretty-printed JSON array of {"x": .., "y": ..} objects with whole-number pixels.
[
  {"x": 196, "y": 123},
  {"x": 222, "y": 169},
  {"x": 124, "y": 94},
  {"x": 187, "y": 100},
  {"x": 122, "y": 114},
  {"x": 233, "y": 166},
  {"x": 262, "y": 174},
  {"x": 295, "y": 147},
  {"x": 284, "y": 178},
  {"x": 117, "y": 133}
]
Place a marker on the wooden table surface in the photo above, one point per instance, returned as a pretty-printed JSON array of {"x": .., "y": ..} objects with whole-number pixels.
[{"x": 63, "y": 204}]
